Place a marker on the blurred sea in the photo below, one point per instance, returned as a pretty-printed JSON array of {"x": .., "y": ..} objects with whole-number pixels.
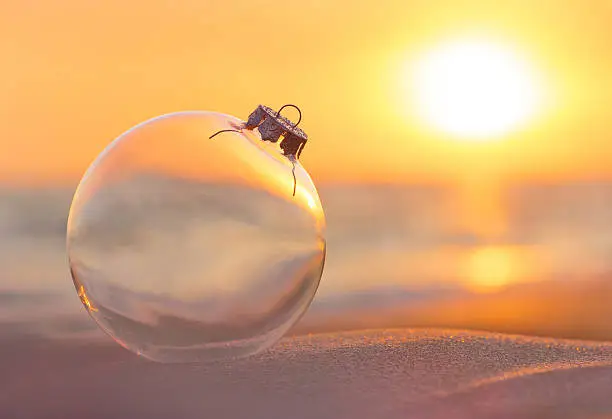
[{"x": 397, "y": 256}]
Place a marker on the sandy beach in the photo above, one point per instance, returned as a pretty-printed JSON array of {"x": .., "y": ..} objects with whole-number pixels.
[{"x": 395, "y": 373}]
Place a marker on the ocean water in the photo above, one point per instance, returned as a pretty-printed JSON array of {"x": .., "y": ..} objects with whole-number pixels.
[{"x": 397, "y": 256}]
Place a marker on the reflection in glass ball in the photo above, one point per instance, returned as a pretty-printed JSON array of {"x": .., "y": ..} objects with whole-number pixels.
[{"x": 188, "y": 249}]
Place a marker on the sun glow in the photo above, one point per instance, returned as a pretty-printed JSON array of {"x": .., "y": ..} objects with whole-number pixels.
[
  {"x": 474, "y": 90},
  {"x": 491, "y": 268}
]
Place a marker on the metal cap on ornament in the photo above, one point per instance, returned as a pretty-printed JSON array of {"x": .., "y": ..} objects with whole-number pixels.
[{"x": 272, "y": 125}]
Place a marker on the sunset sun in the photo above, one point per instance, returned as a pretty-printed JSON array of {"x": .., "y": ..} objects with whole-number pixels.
[{"x": 474, "y": 90}]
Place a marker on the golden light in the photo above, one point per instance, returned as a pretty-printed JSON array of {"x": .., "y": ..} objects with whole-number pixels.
[
  {"x": 491, "y": 268},
  {"x": 474, "y": 89},
  {"x": 85, "y": 300}
]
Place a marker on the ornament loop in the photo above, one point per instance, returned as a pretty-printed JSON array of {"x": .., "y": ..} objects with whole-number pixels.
[{"x": 292, "y": 106}]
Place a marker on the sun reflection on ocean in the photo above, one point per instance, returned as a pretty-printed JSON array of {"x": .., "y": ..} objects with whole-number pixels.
[{"x": 491, "y": 268}]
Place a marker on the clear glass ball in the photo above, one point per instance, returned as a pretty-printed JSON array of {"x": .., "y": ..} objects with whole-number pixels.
[{"x": 189, "y": 249}]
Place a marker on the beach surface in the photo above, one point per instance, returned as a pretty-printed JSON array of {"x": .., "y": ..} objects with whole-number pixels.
[{"x": 394, "y": 373}]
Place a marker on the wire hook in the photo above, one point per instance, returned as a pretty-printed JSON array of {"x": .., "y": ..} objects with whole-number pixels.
[
  {"x": 292, "y": 106},
  {"x": 223, "y": 130},
  {"x": 294, "y": 179}
]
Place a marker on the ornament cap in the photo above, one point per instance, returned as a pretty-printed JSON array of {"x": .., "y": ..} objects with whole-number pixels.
[{"x": 272, "y": 124}]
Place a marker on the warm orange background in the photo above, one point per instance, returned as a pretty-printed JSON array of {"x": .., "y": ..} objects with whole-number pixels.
[{"x": 76, "y": 74}]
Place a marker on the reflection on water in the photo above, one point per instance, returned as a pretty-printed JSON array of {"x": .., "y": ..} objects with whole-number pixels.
[
  {"x": 396, "y": 257},
  {"x": 491, "y": 268}
]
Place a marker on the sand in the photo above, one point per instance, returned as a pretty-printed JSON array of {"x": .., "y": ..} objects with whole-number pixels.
[{"x": 370, "y": 374}]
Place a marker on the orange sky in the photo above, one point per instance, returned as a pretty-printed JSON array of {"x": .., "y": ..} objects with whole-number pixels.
[{"x": 76, "y": 74}]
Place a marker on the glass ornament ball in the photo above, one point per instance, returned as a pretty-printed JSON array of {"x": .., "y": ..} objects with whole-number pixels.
[{"x": 187, "y": 249}]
